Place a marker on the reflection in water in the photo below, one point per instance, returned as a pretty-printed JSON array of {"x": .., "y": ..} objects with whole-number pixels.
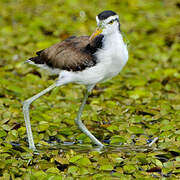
[
  {"x": 66, "y": 146},
  {"x": 88, "y": 148}
]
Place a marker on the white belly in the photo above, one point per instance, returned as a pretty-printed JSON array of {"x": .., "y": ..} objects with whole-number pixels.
[{"x": 116, "y": 59}]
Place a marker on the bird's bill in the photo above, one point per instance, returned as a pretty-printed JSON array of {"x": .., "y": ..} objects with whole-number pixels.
[{"x": 96, "y": 33}]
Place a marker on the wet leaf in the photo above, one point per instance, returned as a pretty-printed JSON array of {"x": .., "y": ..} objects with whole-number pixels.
[
  {"x": 106, "y": 167},
  {"x": 83, "y": 162},
  {"x": 75, "y": 158},
  {"x": 73, "y": 170},
  {"x": 40, "y": 175},
  {"x": 129, "y": 168},
  {"x": 2, "y": 133},
  {"x": 135, "y": 130},
  {"x": 117, "y": 139},
  {"x": 53, "y": 170}
]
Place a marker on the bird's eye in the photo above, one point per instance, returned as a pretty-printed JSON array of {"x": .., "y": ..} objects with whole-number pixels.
[{"x": 110, "y": 22}]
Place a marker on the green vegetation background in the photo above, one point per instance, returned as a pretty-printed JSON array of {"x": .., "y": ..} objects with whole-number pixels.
[{"x": 142, "y": 102}]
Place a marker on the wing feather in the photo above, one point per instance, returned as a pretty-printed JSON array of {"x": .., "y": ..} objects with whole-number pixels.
[{"x": 72, "y": 54}]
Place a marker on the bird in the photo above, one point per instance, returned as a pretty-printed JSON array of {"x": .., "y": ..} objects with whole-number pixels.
[{"x": 86, "y": 60}]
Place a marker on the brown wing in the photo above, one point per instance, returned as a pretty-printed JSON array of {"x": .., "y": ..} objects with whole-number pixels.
[{"x": 70, "y": 54}]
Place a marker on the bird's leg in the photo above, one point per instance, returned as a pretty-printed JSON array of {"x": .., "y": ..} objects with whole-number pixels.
[
  {"x": 79, "y": 123},
  {"x": 26, "y": 105}
]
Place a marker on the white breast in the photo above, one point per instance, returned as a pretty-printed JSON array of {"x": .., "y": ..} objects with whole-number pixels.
[{"x": 113, "y": 56}]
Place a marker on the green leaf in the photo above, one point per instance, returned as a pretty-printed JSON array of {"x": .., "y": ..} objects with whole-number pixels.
[
  {"x": 54, "y": 177},
  {"x": 83, "y": 161},
  {"x": 138, "y": 93},
  {"x": 53, "y": 170},
  {"x": 135, "y": 130},
  {"x": 73, "y": 170},
  {"x": 43, "y": 126},
  {"x": 40, "y": 175},
  {"x": 75, "y": 158},
  {"x": 113, "y": 128},
  {"x": 158, "y": 163},
  {"x": 83, "y": 171},
  {"x": 117, "y": 139},
  {"x": 129, "y": 168},
  {"x": 106, "y": 167},
  {"x": 2, "y": 133}
]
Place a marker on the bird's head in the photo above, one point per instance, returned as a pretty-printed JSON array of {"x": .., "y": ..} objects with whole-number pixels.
[{"x": 107, "y": 22}]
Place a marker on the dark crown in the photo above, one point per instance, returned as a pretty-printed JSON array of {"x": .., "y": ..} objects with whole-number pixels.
[{"x": 105, "y": 14}]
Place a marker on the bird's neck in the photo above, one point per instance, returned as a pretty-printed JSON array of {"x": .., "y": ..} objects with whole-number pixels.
[{"x": 113, "y": 38}]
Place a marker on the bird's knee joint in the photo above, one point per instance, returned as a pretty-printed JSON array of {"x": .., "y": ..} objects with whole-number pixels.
[{"x": 26, "y": 104}]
